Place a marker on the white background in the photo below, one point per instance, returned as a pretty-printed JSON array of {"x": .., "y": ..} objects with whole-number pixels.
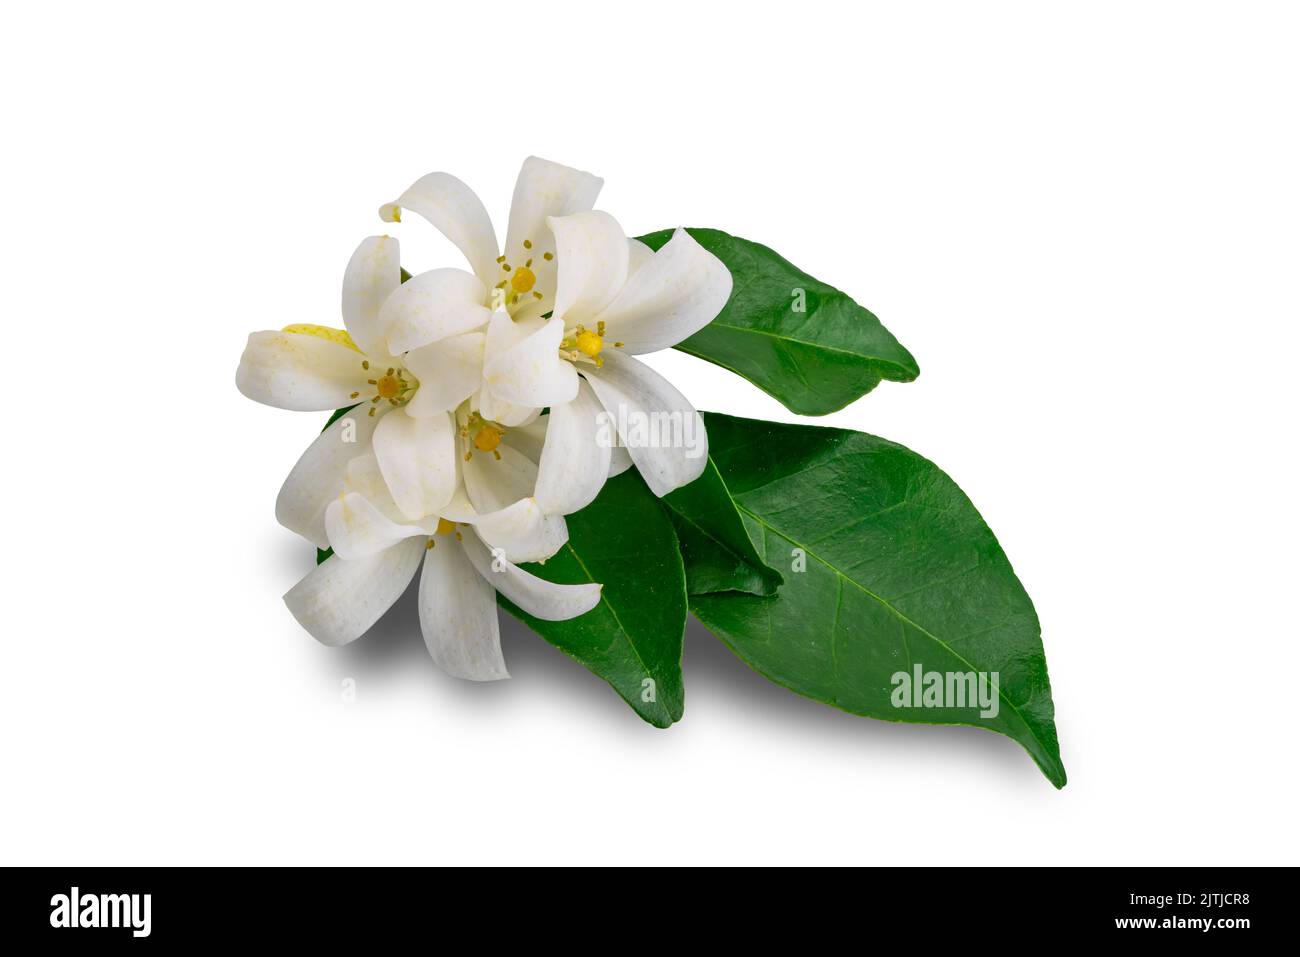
[{"x": 1082, "y": 221}]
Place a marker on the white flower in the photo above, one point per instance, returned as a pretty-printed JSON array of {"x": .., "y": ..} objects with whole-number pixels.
[
  {"x": 608, "y": 298},
  {"x": 615, "y": 299},
  {"x": 376, "y": 553},
  {"x": 316, "y": 368}
]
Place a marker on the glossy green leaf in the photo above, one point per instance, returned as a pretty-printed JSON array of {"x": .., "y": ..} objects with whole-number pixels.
[
  {"x": 633, "y": 638},
  {"x": 805, "y": 343},
  {"x": 716, "y": 550},
  {"x": 899, "y": 571}
]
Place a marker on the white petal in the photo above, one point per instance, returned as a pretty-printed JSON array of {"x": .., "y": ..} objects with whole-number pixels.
[
  {"x": 418, "y": 459},
  {"x": 543, "y": 189},
  {"x": 662, "y": 431},
  {"x": 638, "y": 254},
  {"x": 339, "y": 600},
  {"x": 523, "y": 531},
  {"x": 531, "y": 373},
  {"x": 304, "y": 373},
  {"x": 619, "y": 461},
  {"x": 674, "y": 295},
  {"x": 540, "y": 598},
  {"x": 364, "y": 477},
  {"x": 449, "y": 370},
  {"x": 458, "y": 615},
  {"x": 432, "y": 306},
  {"x": 356, "y": 528},
  {"x": 373, "y": 272},
  {"x": 457, "y": 213},
  {"x": 592, "y": 252},
  {"x": 317, "y": 478},
  {"x": 575, "y": 457},
  {"x": 494, "y": 483}
]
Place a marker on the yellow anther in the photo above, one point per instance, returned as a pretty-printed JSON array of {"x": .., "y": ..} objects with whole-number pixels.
[
  {"x": 522, "y": 280},
  {"x": 589, "y": 343},
  {"x": 528, "y": 244},
  {"x": 487, "y": 438},
  {"x": 445, "y": 526}
]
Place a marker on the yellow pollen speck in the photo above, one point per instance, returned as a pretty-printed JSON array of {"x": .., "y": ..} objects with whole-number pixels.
[
  {"x": 445, "y": 526},
  {"x": 522, "y": 280},
  {"x": 487, "y": 438},
  {"x": 528, "y": 244},
  {"x": 397, "y": 214},
  {"x": 589, "y": 343}
]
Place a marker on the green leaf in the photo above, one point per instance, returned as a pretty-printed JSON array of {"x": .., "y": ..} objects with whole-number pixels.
[
  {"x": 812, "y": 361},
  {"x": 900, "y": 571},
  {"x": 633, "y": 638},
  {"x": 716, "y": 549}
]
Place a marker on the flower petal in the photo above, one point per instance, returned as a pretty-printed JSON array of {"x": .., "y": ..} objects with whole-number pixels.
[
  {"x": 523, "y": 531},
  {"x": 339, "y": 600},
  {"x": 540, "y": 598},
  {"x": 592, "y": 252},
  {"x": 531, "y": 373},
  {"x": 458, "y": 615},
  {"x": 575, "y": 457},
  {"x": 662, "y": 431},
  {"x": 418, "y": 459},
  {"x": 317, "y": 478},
  {"x": 493, "y": 483},
  {"x": 356, "y": 528},
  {"x": 675, "y": 294},
  {"x": 457, "y": 213},
  {"x": 373, "y": 273},
  {"x": 638, "y": 254},
  {"x": 543, "y": 189},
  {"x": 432, "y": 306},
  {"x": 303, "y": 373},
  {"x": 449, "y": 370}
]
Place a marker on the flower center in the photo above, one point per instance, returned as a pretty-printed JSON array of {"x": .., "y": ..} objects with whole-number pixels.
[
  {"x": 519, "y": 280},
  {"x": 445, "y": 527},
  {"x": 585, "y": 345},
  {"x": 481, "y": 433},
  {"x": 395, "y": 386},
  {"x": 487, "y": 438}
]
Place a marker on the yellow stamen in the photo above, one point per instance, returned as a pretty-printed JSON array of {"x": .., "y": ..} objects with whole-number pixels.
[
  {"x": 522, "y": 280},
  {"x": 487, "y": 438}
]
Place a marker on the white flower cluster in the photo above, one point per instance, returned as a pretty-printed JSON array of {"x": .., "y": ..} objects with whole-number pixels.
[{"x": 488, "y": 405}]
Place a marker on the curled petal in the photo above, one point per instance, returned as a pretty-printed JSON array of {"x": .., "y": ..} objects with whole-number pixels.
[
  {"x": 662, "y": 431},
  {"x": 593, "y": 253},
  {"x": 432, "y": 306},
  {"x": 373, "y": 273},
  {"x": 540, "y": 598},
  {"x": 457, "y": 213},
  {"x": 675, "y": 294},
  {"x": 318, "y": 477},
  {"x": 339, "y": 600},
  {"x": 575, "y": 457}
]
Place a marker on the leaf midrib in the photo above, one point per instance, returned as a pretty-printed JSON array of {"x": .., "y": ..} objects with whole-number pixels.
[
  {"x": 902, "y": 617},
  {"x": 715, "y": 324}
]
